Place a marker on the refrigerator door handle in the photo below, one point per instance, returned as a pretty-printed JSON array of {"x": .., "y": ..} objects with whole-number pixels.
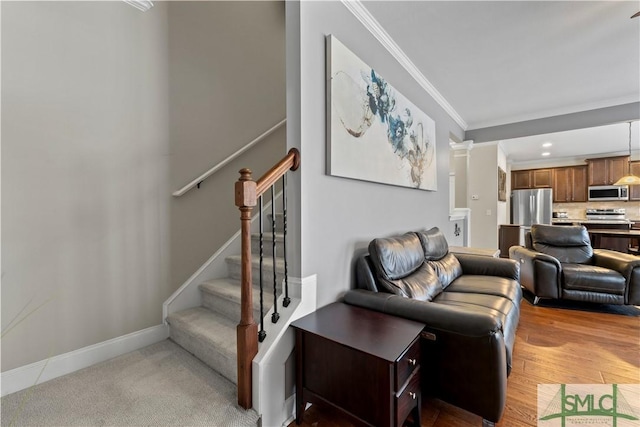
[{"x": 532, "y": 208}]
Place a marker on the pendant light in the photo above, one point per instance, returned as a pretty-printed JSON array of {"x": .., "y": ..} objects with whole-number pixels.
[{"x": 629, "y": 179}]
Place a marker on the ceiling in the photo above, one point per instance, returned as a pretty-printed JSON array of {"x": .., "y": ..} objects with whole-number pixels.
[
  {"x": 577, "y": 144},
  {"x": 509, "y": 61}
]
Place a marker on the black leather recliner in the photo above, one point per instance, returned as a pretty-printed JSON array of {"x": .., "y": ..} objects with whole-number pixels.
[
  {"x": 558, "y": 262},
  {"x": 470, "y": 305}
]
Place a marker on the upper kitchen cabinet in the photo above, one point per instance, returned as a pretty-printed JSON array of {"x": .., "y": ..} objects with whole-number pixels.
[
  {"x": 634, "y": 190},
  {"x": 531, "y": 178},
  {"x": 607, "y": 171},
  {"x": 570, "y": 184}
]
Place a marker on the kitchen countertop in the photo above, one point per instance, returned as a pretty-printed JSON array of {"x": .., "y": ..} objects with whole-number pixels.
[{"x": 589, "y": 221}]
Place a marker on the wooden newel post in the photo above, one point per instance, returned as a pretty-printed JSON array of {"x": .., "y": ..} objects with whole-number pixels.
[{"x": 247, "y": 330}]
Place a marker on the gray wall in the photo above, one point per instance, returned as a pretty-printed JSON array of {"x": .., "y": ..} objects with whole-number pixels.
[
  {"x": 483, "y": 167},
  {"x": 227, "y": 86},
  {"x": 340, "y": 216},
  {"x": 106, "y": 111},
  {"x": 580, "y": 120}
]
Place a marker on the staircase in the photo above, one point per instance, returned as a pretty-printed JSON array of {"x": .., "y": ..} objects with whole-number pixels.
[{"x": 209, "y": 331}]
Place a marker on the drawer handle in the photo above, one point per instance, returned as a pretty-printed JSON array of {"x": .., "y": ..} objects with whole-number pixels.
[
  {"x": 412, "y": 362},
  {"x": 413, "y": 395},
  {"x": 428, "y": 335}
]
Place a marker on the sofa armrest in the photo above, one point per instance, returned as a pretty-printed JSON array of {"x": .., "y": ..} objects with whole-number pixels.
[
  {"x": 450, "y": 318},
  {"x": 364, "y": 274},
  {"x": 539, "y": 273},
  {"x": 489, "y": 266}
]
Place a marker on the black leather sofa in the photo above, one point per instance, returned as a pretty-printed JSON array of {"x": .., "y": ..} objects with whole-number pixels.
[
  {"x": 558, "y": 262},
  {"x": 470, "y": 305}
]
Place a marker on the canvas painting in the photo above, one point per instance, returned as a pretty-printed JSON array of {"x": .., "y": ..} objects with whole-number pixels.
[
  {"x": 502, "y": 185},
  {"x": 374, "y": 132}
]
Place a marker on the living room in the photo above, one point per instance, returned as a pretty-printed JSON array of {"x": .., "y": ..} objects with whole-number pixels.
[{"x": 331, "y": 218}]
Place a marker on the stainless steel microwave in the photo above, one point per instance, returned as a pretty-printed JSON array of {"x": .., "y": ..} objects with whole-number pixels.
[{"x": 608, "y": 192}]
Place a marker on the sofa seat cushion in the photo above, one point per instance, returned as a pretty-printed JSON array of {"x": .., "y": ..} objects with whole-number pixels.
[
  {"x": 501, "y": 308},
  {"x": 487, "y": 285},
  {"x": 582, "y": 277}
]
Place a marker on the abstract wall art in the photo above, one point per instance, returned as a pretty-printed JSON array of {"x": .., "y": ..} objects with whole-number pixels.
[
  {"x": 374, "y": 132},
  {"x": 502, "y": 185}
]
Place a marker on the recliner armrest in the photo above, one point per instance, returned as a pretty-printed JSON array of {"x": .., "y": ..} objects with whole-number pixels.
[
  {"x": 618, "y": 261},
  {"x": 489, "y": 266},
  {"x": 522, "y": 255},
  {"x": 449, "y": 318},
  {"x": 539, "y": 273}
]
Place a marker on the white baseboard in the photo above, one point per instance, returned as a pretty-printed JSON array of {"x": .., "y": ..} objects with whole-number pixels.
[{"x": 26, "y": 376}]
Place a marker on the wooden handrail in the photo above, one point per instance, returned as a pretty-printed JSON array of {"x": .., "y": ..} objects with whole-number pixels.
[
  {"x": 247, "y": 192},
  {"x": 289, "y": 162}
]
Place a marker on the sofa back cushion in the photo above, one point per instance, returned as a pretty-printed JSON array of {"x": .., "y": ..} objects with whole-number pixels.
[
  {"x": 447, "y": 269},
  {"x": 437, "y": 255},
  {"x": 400, "y": 267},
  {"x": 568, "y": 244},
  {"x": 434, "y": 244}
]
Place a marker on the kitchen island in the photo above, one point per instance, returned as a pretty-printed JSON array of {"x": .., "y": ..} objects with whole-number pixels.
[{"x": 603, "y": 241}]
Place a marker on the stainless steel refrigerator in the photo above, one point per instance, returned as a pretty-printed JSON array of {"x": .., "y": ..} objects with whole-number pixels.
[{"x": 531, "y": 206}]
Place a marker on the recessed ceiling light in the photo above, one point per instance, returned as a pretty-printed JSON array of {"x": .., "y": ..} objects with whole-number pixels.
[
  {"x": 547, "y": 144},
  {"x": 546, "y": 153}
]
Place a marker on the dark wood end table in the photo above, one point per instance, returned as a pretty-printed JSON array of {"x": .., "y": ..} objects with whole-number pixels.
[{"x": 362, "y": 362}]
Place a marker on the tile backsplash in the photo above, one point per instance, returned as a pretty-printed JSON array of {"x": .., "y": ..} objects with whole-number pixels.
[{"x": 578, "y": 210}]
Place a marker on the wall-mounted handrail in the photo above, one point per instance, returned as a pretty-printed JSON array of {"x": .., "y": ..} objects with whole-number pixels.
[{"x": 196, "y": 182}]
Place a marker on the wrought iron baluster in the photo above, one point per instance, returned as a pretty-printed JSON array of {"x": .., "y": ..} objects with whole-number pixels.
[
  {"x": 275, "y": 316},
  {"x": 262, "y": 334},
  {"x": 286, "y": 300}
]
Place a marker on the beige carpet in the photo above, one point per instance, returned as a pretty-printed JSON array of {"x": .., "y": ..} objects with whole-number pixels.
[{"x": 160, "y": 385}]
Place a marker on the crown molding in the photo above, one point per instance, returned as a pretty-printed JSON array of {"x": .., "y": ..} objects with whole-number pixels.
[
  {"x": 460, "y": 146},
  {"x": 370, "y": 23}
]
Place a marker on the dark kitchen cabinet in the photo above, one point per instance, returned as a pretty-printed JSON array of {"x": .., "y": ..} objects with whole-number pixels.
[
  {"x": 531, "y": 178},
  {"x": 608, "y": 170},
  {"x": 634, "y": 190},
  {"x": 542, "y": 178},
  {"x": 570, "y": 184},
  {"x": 509, "y": 235},
  {"x": 612, "y": 243},
  {"x": 521, "y": 180}
]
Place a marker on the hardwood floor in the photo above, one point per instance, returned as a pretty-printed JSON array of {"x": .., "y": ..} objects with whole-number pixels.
[{"x": 554, "y": 346}]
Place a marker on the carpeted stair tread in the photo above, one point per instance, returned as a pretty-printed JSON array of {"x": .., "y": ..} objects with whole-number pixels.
[
  {"x": 223, "y": 296},
  {"x": 255, "y": 262},
  {"x": 234, "y": 267},
  {"x": 267, "y": 236},
  {"x": 229, "y": 289},
  {"x": 209, "y": 336}
]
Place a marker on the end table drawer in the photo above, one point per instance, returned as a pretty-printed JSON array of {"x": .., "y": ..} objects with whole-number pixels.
[
  {"x": 406, "y": 364},
  {"x": 408, "y": 399}
]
